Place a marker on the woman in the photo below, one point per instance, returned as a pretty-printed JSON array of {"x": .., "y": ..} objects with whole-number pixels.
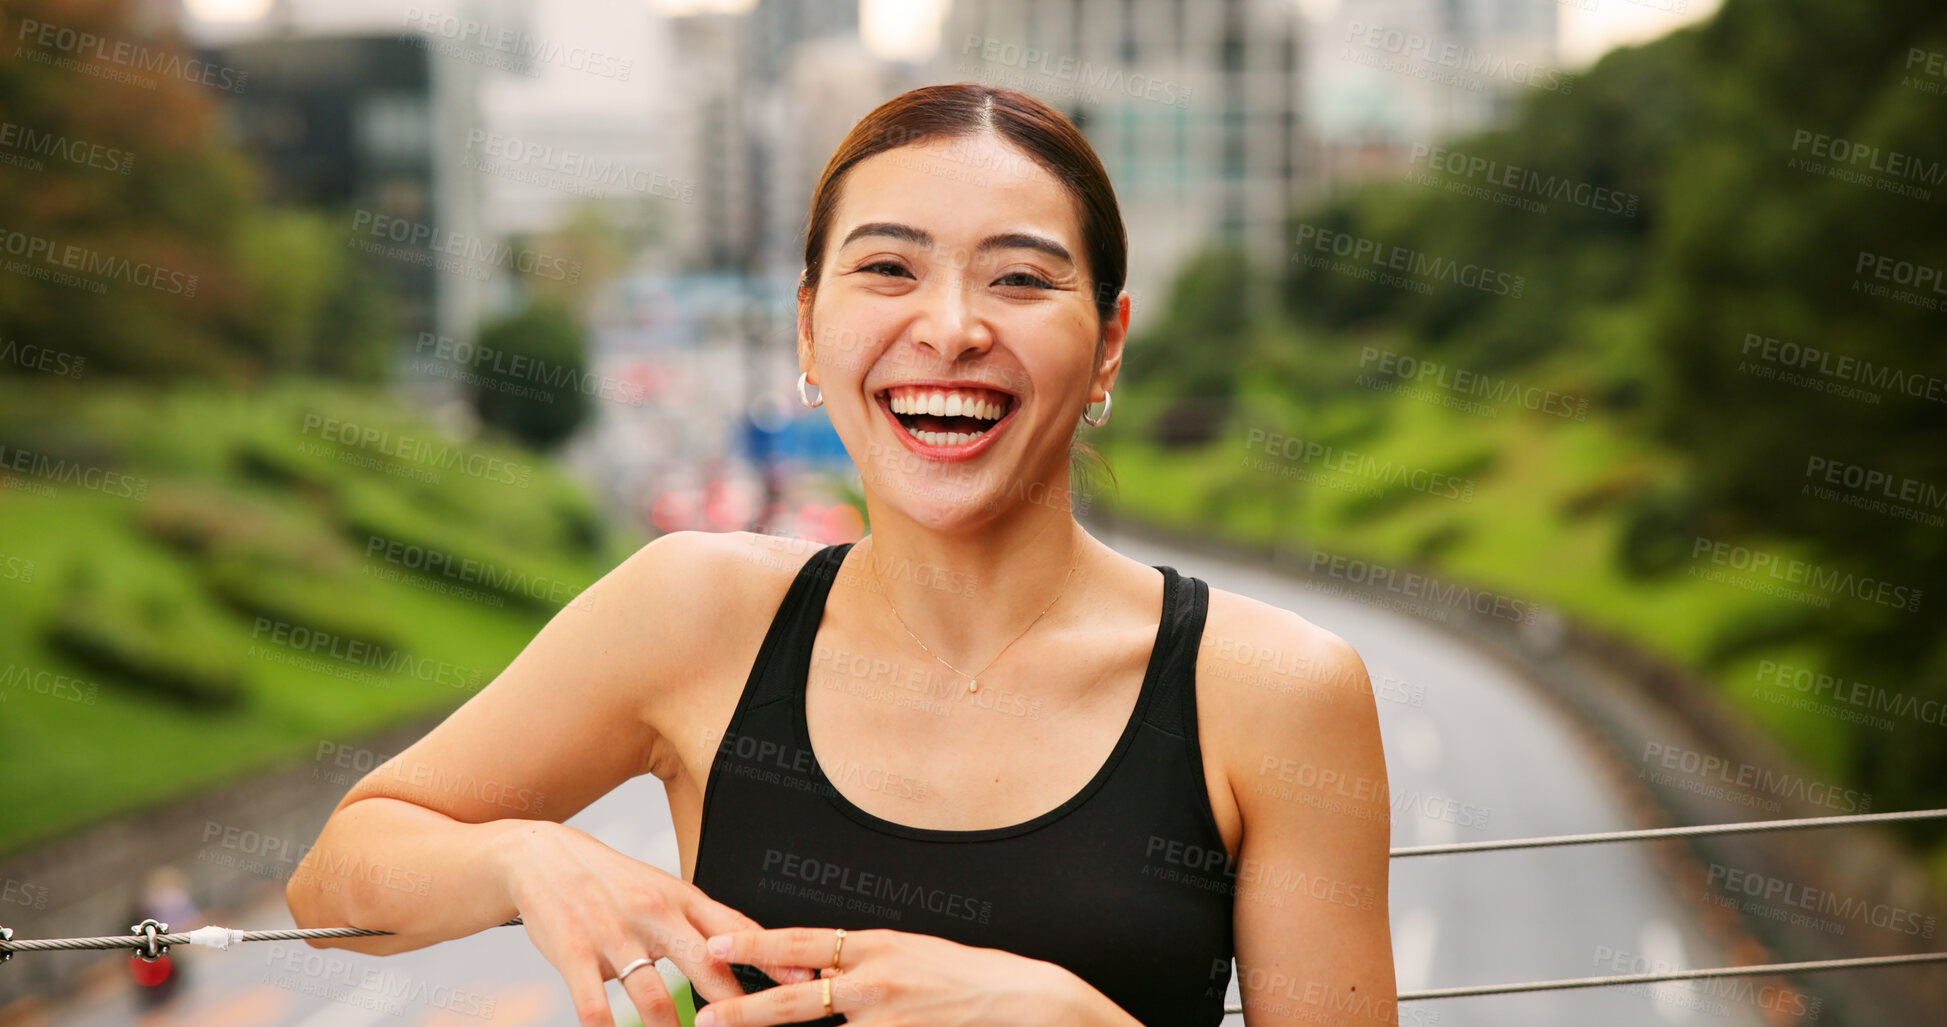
[{"x": 1041, "y": 783}]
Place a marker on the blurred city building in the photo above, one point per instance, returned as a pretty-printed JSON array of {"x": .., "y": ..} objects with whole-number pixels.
[
  {"x": 765, "y": 95},
  {"x": 1194, "y": 106},
  {"x": 371, "y": 127},
  {"x": 1386, "y": 75}
]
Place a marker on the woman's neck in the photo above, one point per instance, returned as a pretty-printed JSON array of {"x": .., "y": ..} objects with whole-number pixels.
[{"x": 966, "y": 593}]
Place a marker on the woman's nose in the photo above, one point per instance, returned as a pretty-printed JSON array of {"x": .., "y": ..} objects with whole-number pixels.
[{"x": 948, "y": 324}]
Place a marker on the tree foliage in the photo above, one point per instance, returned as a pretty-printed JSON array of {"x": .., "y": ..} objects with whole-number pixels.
[
  {"x": 132, "y": 239},
  {"x": 533, "y": 369},
  {"x": 1763, "y": 200}
]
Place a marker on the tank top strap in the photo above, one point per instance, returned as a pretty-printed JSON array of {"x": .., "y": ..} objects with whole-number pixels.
[
  {"x": 1173, "y": 707},
  {"x": 793, "y": 629}
]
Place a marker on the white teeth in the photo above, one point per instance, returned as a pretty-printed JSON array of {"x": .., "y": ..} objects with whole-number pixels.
[
  {"x": 945, "y": 404},
  {"x": 943, "y": 438}
]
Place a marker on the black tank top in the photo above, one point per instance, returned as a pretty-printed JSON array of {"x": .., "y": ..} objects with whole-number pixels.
[{"x": 1127, "y": 884}]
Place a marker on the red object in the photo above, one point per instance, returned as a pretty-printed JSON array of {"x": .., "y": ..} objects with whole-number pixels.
[{"x": 149, "y": 974}]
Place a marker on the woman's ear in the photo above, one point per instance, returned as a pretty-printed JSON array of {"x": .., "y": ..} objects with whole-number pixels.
[
  {"x": 1115, "y": 334},
  {"x": 805, "y": 294}
]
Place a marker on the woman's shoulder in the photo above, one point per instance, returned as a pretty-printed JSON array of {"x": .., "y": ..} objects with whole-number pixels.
[
  {"x": 703, "y": 577},
  {"x": 1268, "y": 677},
  {"x": 1243, "y": 634},
  {"x": 705, "y": 601}
]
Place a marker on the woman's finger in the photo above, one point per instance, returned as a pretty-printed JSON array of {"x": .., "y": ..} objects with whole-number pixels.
[
  {"x": 716, "y": 918},
  {"x": 787, "y": 946},
  {"x": 651, "y": 998},
  {"x": 709, "y": 976},
  {"x": 586, "y": 992},
  {"x": 786, "y": 1003}
]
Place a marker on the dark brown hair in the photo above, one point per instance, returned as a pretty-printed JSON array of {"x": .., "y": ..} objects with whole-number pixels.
[{"x": 964, "y": 109}]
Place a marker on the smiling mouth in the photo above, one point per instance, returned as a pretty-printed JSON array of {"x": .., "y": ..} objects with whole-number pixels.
[{"x": 946, "y": 416}]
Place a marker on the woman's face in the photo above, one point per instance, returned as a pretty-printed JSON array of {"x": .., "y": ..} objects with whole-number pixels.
[{"x": 953, "y": 329}]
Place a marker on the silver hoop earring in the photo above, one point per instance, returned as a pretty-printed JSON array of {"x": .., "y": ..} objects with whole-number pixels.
[
  {"x": 1108, "y": 403},
  {"x": 804, "y": 378}
]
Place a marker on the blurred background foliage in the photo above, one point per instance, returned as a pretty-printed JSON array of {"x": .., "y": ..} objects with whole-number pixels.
[
  {"x": 1646, "y": 317},
  {"x": 170, "y": 602}
]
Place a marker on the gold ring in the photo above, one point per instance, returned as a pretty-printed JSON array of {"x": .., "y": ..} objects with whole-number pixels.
[
  {"x": 825, "y": 986},
  {"x": 836, "y": 946}
]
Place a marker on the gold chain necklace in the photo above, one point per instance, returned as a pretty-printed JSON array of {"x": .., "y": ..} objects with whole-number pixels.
[{"x": 973, "y": 680}]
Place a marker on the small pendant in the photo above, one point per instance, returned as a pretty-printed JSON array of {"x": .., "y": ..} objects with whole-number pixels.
[{"x": 973, "y": 685}]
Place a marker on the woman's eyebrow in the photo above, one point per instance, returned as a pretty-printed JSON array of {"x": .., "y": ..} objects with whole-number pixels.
[{"x": 922, "y": 237}]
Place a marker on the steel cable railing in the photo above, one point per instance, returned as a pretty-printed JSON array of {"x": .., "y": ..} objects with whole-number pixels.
[{"x": 151, "y": 938}]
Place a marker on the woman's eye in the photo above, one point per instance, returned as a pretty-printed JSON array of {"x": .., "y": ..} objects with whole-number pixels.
[
  {"x": 1024, "y": 278},
  {"x": 882, "y": 267}
]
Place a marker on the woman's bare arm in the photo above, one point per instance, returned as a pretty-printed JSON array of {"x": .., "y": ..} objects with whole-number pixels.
[
  {"x": 423, "y": 845},
  {"x": 1299, "y": 735}
]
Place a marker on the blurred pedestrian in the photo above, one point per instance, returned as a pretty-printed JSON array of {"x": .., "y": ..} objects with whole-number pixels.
[{"x": 164, "y": 896}]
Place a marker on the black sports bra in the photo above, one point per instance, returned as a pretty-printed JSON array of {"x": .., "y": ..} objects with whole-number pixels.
[{"x": 1127, "y": 884}]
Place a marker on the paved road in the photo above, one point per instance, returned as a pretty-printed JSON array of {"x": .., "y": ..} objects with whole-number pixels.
[{"x": 1471, "y": 754}]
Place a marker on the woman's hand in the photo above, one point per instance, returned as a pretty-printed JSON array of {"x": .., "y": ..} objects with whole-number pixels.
[
  {"x": 888, "y": 977},
  {"x": 592, "y": 911}
]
